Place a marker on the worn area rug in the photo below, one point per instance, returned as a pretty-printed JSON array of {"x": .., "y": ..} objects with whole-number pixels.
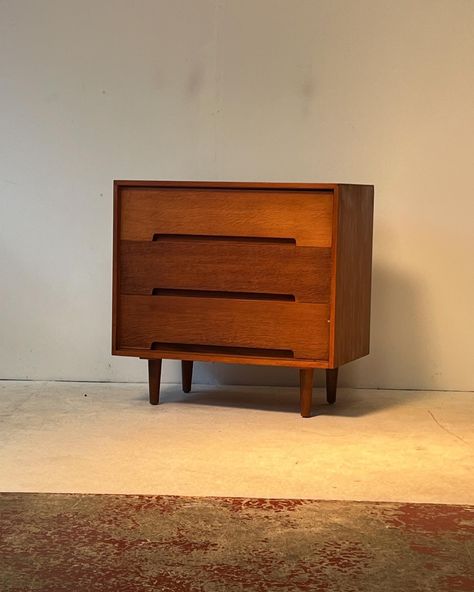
[{"x": 131, "y": 543}]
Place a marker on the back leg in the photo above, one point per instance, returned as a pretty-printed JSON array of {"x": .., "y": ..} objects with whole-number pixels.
[
  {"x": 331, "y": 385},
  {"x": 187, "y": 375}
]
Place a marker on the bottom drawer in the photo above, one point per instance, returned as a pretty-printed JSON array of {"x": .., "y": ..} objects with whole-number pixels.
[{"x": 299, "y": 330}]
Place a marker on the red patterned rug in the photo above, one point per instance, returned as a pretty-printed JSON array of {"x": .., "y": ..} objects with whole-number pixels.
[{"x": 132, "y": 543}]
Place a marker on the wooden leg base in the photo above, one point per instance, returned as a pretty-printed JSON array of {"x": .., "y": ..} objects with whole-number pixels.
[
  {"x": 187, "y": 375},
  {"x": 154, "y": 378},
  {"x": 306, "y": 391},
  {"x": 306, "y": 384},
  {"x": 331, "y": 385}
]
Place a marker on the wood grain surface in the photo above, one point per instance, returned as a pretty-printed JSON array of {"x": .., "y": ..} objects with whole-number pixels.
[
  {"x": 305, "y": 216},
  {"x": 299, "y": 327},
  {"x": 352, "y": 274},
  {"x": 301, "y": 272}
]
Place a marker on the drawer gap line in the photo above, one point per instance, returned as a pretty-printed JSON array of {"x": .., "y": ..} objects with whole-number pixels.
[
  {"x": 222, "y": 349},
  {"x": 222, "y": 294},
  {"x": 237, "y": 239}
]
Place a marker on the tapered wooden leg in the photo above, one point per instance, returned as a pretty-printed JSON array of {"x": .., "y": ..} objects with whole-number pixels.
[
  {"x": 187, "y": 375},
  {"x": 331, "y": 385},
  {"x": 306, "y": 391},
  {"x": 154, "y": 377}
]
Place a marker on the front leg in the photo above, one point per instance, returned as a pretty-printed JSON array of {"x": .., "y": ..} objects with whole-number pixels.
[{"x": 154, "y": 378}]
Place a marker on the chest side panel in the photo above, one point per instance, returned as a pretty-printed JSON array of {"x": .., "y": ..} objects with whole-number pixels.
[{"x": 353, "y": 273}]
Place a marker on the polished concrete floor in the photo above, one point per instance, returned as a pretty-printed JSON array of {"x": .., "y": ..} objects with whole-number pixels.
[{"x": 236, "y": 441}]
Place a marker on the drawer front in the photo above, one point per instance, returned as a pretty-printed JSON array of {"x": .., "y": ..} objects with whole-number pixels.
[
  {"x": 296, "y": 330},
  {"x": 303, "y": 217},
  {"x": 260, "y": 270}
]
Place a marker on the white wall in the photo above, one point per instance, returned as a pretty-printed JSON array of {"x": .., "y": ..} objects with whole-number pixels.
[{"x": 363, "y": 91}]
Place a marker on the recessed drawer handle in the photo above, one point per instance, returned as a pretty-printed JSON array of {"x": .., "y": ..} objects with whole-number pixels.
[
  {"x": 238, "y": 239},
  {"x": 223, "y": 349},
  {"x": 222, "y": 294}
]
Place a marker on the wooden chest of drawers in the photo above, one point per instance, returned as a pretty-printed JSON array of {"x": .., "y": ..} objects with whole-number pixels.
[{"x": 247, "y": 273}]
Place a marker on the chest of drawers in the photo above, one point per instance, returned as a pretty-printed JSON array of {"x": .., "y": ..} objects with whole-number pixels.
[{"x": 245, "y": 273}]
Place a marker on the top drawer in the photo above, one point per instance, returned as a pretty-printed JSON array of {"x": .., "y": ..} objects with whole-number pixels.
[{"x": 303, "y": 217}]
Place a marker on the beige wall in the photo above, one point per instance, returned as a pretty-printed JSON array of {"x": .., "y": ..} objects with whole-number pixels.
[{"x": 363, "y": 91}]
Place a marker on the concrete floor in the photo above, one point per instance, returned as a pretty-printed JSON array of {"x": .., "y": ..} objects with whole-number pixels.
[{"x": 236, "y": 441}]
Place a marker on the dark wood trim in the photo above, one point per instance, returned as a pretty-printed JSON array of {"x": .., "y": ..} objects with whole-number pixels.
[
  {"x": 115, "y": 266},
  {"x": 306, "y": 391},
  {"x": 147, "y": 354},
  {"x": 154, "y": 379},
  {"x": 187, "y": 375},
  {"x": 333, "y": 282},
  {"x": 225, "y": 185},
  {"x": 331, "y": 385}
]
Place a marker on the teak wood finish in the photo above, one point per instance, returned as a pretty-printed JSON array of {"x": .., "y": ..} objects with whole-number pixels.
[{"x": 247, "y": 273}]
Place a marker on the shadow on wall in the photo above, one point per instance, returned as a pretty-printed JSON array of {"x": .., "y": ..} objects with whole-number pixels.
[
  {"x": 403, "y": 349},
  {"x": 403, "y": 352}
]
